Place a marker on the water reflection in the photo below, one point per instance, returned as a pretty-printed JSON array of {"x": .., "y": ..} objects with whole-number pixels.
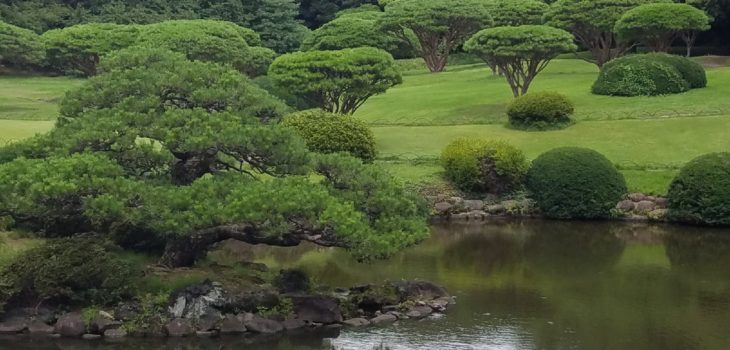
[{"x": 530, "y": 285}]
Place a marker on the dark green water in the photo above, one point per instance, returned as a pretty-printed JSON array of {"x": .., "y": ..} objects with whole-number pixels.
[{"x": 526, "y": 285}]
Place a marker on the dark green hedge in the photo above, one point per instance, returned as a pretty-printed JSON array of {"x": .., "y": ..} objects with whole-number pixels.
[
  {"x": 575, "y": 183},
  {"x": 540, "y": 111},
  {"x": 639, "y": 75},
  {"x": 700, "y": 194}
]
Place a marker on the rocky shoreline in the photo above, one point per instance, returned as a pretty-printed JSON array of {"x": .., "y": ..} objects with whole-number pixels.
[
  {"x": 634, "y": 207},
  {"x": 209, "y": 310}
]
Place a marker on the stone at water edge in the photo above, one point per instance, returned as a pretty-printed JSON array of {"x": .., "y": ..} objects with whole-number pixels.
[
  {"x": 91, "y": 336},
  {"x": 293, "y": 324},
  {"x": 263, "y": 325},
  {"x": 382, "y": 319},
  {"x": 70, "y": 325},
  {"x": 636, "y": 197},
  {"x": 473, "y": 205},
  {"x": 12, "y": 326},
  {"x": 100, "y": 324},
  {"x": 115, "y": 333},
  {"x": 38, "y": 327},
  {"x": 421, "y": 290},
  {"x": 356, "y": 322},
  {"x": 496, "y": 209},
  {"x": 626, "y": 205},
  {"x": 319, "y": 309},
  {"x": 661, "y": 203},
  {"x": 442, "y": 207},
  {"x": 179, "y": 327},
  {"x": 644, "y": 207},
  {"x": 419, "y": 311},
  {"x": 232, "y": 325}
]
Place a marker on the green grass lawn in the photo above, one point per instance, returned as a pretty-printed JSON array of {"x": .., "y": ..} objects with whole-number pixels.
[
  {"x": 32, "y": 98},
  {"x": 469, "y": 94},
  {"x": 13, "y": 130}
]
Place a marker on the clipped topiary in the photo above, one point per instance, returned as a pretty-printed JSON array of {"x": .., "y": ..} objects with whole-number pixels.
[
  {"x": 639, "y": 75},
  {"x": 326, "y": 132},
  {"x": 700, "y": 194},
  {"x": 691, "y": 71},
  {"x": 540, "y": 111},
  {"x": 575, "y": 183},
  {"x": 476, "y": 165}
]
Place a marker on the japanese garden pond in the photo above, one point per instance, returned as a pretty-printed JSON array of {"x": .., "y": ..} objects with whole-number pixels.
[{"x": 520, "y": 285}]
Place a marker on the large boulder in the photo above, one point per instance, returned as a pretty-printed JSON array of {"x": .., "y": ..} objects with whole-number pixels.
[
  {"x": 195, "y": 301},
  {"x": 356, "y": 322},
  {"x": 179, "y": 327},
  {"x": 70, "y": 325},
  {"x": 14, "y": 325},
  {"x": 232, "y": 325},
  {"x": 383, "y": 319},
  {"x": 262, "y": 325},
  {"x": 420, "y": 290},
  {"x": 317, "y": 309}
]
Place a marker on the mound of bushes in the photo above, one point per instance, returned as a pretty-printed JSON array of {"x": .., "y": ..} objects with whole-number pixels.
[
  {"x": 326, "y": 132},
  {"x": 19, "y": 47},
  {"x": 575, "y": 183},
  {"x": 482, "y": 166},
  {"x": 69, "y": 271},
  {"x": 649, "y": 75},
  {"x": 700, "y": 194},
  {"x": 540, "y": 111}
]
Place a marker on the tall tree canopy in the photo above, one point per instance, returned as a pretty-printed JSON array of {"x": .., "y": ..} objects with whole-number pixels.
[
  {"x": 438, "y": 26},
  {"x": 350, "y": 31},
  {"x": 592, "y": 23},
  {"x": 19, "y": 47},
  {"x": 315, "y": 13},
  {"x": 517, "y": 12},
  {"x": 159, "y": 151},
  {"x": 520, "y": 52},
  {"x": 658, "y": 25}
]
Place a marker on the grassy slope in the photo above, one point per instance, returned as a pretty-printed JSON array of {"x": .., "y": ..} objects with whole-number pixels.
[
  {"x": 13, "y": 130},
  {"x": 32, "y": 98}
]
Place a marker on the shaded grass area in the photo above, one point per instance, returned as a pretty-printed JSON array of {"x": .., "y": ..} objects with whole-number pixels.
[
  {"x": 470, "y": 94},
  {"x": 14, "y": 130},
  {"x": 14, "y": 243},
  {"x": 31, "y": 97}
]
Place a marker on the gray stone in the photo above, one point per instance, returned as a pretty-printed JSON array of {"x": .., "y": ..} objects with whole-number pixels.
[
  {"x": 477, "y": 215},
  {"x": 474, "y": 204},
  {"x": 100, "y": 324},
  {"x": 442, "y": 207},
  {"x": 456, "y": 201},
  {"x": 91, "y": 336},
  {"x": 205, "y": 334},
  {"x": 440, "y": 304},
  {"x": 320, "y": 309},
  {"x": 496, "y": 209},
  {"x": 658, "y": 214},
  {"x": 459, "y": 217},
  {"x": 38, "y": 327},
  {"x": 356, "y": 322},
  {"x": 12, "y": 326},
  {"x": 208, "y": 322},
  {"x": 421, "y": 290},
  {"x": 115, "y": 333},
  {"x": 661, "y": 203},
  {"x": 382, "y": 319},
  {"x": 636, "y": 197},
  {"x": 644, "y": 207},
  {"x": 293, "y": 324},
  {"x": 179, "y": 327},
  {"x": 263, "y": 326},
  {"x": 195, "y": 301},
  {"x": 70, "y": 325},
  {"x": 419, "y": 311},
  {"x": 232, "y": 325},
  {"x": 626, "y": 205},
  {"x": 512, "y": 206}
]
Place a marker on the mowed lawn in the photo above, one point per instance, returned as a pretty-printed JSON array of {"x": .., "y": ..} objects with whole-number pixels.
[
  {"x": 470, "y": 94},
  {"x": 32, "y": 98}
]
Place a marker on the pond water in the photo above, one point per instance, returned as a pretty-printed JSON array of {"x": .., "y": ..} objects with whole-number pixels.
[{"x": 523, "y": 285}]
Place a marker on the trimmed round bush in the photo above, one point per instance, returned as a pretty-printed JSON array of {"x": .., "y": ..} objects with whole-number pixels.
[
  {"x": 700, "y": 194},
  {"x": 540, "y": 111},
  {"x": 691, "y": 71},
  {"x": 482, "y": 166},
  {"x": 575, "y": 183},
  {"x": 326, "y": 132},
  {"x": 639, "y": 75}
]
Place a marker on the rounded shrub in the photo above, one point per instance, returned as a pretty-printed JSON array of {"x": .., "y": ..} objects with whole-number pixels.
[
  {"x": 69, "y": 271},
  {"x": 540, "y": 111},
  {"x": 700, "y": 194},
  {"x": 640, "y": 75},
  {"x": 575, "y": 183},
  {"x": 326, "y": 132},
  {"x": 480, "y": 166},
  {"x": 691, "y": 71}
]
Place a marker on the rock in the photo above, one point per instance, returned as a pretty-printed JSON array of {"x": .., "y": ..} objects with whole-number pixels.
[
  {"x": 421, "y": 290},
  {"x": 100, "y": 324},
  {"x": 70, "y": 325},
  {"x": 205, "y": 334},
  {"x": 12, "y": 326},
  {"x": 473, "y": 205},
  {"x": 115, "y": 333},
  {"x": 263, "y": 325},
  {"x": 477, "y": 215},
  {"x": 457, "y": 201},
  {"x": 42, "y": 314},
  {"x": 293, "y": 324},
  {"x": 512, "y": 206},
  {"x": 106, "y": 315},
  {"x": 459, "y": 217},
  {"x": 636, "y": 197},
  {"x": 442, "y": 207},
  {"x": 658, "y": 214},
  {"x": 179, "y": 327},
  {"x": 382, "y": 319},
  {"x": 419, "y": 311},
  {"x": 38, "y": 327},
  {"x": 644, "y": 207},
  {"x": 91, "y": 336},
  {"x": 197, "y": 300},
  {"x": 528, "y": 206},
  {"x": 661, "y": 203},
  {"x": 626, "y": 205},
  {"x": 356, "y": 322},
  {"x": 440, "y": 304},
  {"x": 232, "y": 325},
  {"x": 320, "y": 309},
  {"x": 208, "y": 322},
  {"x": 496, "y": 209}
]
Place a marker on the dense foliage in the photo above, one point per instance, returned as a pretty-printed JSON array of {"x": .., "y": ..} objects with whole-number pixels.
[
  {"x": 160, "y": 151},
  {"x": 482, "y": 166},
  {"x": 76, "y": 271},
  {"x": 657, "y": 25},
  {"x": 326, "y": 132},
  {"x": 315, "y": 13},
  {"x": 77, "y": 50},
  {"x": 575, "y": 183},
  {"x": 349, "y": 31},
  {"x": 540, "y": 111},
  {"x": 592, "y": 23},
  {"x": 520, "y": 52},
  {"x": 338, "y": 81},
  {"x": 19, "y": 47},
  {"x": 516, "y": 12},
  {"x": 649, "y": 75},
  {"x": 700, "y": 194},
  {"x": 434, "y": 28}
]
